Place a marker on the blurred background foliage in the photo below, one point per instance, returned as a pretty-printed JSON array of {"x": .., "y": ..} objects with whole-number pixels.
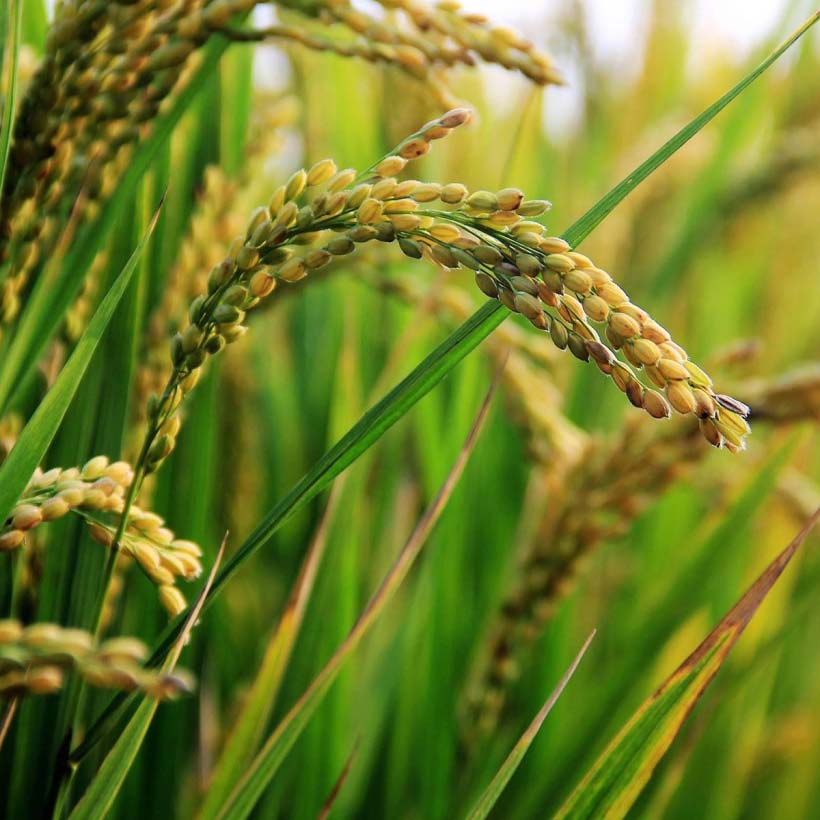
[{"x": 664, "y": 534}]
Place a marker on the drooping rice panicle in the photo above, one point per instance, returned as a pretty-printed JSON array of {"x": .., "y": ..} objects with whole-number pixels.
[
  {"x": 417, "y": 38},
  {"x": 35, "y": 658},
  {"x": 474, "y": 33},
  {"x": 107, "y": 71},
  {"x": 93, "y": 492},
  {"x": 108, "y": 67},
  {"x": 492, "y": 234},
  {"x": 331, "y": 220}
]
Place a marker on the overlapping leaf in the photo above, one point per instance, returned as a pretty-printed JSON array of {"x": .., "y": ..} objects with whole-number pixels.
[{"x": 617, "y": 778}]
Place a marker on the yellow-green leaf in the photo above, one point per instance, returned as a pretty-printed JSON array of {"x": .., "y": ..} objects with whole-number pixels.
[{"x": 613, "y": 784}]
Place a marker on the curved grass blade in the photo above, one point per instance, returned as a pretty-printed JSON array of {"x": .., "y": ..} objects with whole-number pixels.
[
  {"x": 490, "y": 795},
  {"x": 24, "y": 457},
  {"x": 246, "y": 734},
  {"x": 100, "y": 795},
  {"x": 11, "y": 53},
  {"x": 243, "y": 798},
  {"x": 617, "y": 778},
  {"x": 590, "y": 220},
  {"x": 423, "y": 379}
]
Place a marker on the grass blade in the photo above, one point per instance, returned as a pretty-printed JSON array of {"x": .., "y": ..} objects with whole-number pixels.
[
  {"x": 617, "y": 778},
  {"x": 247, "y": 732},
  {"x": 331, "y": 799},
  {"x": 248, "y": 791},
  {"x": 590, "y": 220},
  {"x": 368, "y": 430},
  {"x": 11, "y": 53},
  {"x": 27, "y": 454},
  {"x": 100, "y": 795},
  {"x": 490, "y": 795}
]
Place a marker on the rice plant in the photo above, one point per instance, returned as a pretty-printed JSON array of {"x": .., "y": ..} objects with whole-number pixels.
[{"x": 314, "y": 503}]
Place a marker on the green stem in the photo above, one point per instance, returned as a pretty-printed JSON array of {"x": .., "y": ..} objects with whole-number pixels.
[{"x": 65, "y": 768}]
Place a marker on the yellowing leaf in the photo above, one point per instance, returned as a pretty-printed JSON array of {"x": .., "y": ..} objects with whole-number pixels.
[{"x": 620, "y": 773}]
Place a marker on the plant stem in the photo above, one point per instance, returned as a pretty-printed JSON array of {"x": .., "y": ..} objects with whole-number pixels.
[{"x": 8, "y": 717}]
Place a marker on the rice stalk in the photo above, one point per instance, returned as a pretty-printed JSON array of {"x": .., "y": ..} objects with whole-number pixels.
[
  {"x": 216, "y": 220},
  {"x": 99, "y": 487},
  {"x": 558, "y": 290},
  {"x": 107, "y": 71}
]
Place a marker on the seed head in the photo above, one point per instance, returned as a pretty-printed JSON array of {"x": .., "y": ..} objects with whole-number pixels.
[
  {"x": 391, "y": 166},
  {"x": 321, "y": 172},
  {"x": 25, "y": 517},
  {"x": 656, "y": 405}
]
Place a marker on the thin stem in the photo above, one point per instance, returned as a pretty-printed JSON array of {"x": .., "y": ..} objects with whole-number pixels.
[
  {"x": 65, "y": 768},
  {"x": 8, "y": 717}
]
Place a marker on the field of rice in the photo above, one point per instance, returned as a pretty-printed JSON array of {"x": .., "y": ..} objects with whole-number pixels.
[{"x": 407, "y": 417}]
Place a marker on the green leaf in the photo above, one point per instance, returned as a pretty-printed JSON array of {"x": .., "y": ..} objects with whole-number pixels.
[
  {"x": 590, "y": 220},
  {"x": 11, "y": 53},
  {"x": 258, "y": 775},
  {"x": 246, "y": 734},
  {"x": 423, "y": 378},
  {"x": 618, "y": 777},
  {"x": 496, "y": 786},
  {"x": 105, "y": 786},
  {"x": 28, "y": 452}
]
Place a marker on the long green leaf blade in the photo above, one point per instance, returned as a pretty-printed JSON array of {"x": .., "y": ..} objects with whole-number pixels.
[
  {"x": 27, "y": 454},
  {"x": 11, "y": 54},
  {"x": 100, "y": 795},
  {"x": 590, "y": 220},
  {"x": 496, "y": 786},
  {"x": 618, "y": 777}
]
